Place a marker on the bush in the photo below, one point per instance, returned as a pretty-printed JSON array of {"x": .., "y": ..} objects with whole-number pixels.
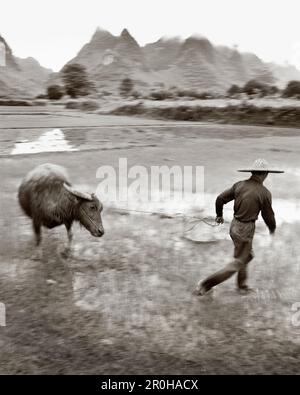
[
  {"x": 194, "y": 94},
  {"x": 89, "y": 105},
  {"x": 292, "y": 89},
  {"x": 254, "y": 87},
  {"x": 55, "y": 92},
  {"x": 130, "y": 109},
  {"x": 273, "y": 90},
  {"x": 126, "y": 87},
  {"x": 234, "y": 90},
  {"x": 72, "y": 105},
  {"x": 161, "y": 95},
  {"x": 86, "y": 105},
  {"x": 204, "y": 96}
]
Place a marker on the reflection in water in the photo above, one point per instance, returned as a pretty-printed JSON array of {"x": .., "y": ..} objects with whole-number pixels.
[{"x": 50, "y": 141}]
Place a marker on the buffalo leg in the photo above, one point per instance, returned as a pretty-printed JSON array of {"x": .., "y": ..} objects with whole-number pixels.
[
  {"x": 37, "y": 232},
  {"x": 67, "y": 250},
  {"x": 37, "y": 255}
]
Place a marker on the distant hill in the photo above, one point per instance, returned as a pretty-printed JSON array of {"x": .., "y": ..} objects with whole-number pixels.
[
  {"x": 20, "y": 77},
  {"x": 284, "y": 74},
  {"x": 109, "y": 59},
  {"x": 194, "y": 63}
]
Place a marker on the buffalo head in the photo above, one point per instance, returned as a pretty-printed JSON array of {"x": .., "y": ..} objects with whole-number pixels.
[{"x": 88, "y": 211}]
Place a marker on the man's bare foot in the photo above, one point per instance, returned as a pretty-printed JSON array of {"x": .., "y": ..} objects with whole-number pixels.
[
  {"x": 201, "y": 291},
  {"x": 245, "y": 290}
]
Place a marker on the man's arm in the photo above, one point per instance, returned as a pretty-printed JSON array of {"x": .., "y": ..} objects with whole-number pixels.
[
  {"x": 268, "y": 213},
  {"x": 222, "y": 199}
]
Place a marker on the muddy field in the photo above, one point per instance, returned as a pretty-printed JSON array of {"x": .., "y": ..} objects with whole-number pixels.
[{"x": 124, "y": 303}]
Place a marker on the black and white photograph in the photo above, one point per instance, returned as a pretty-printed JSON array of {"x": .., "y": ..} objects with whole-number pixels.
[{"x": 150, "y": 190}]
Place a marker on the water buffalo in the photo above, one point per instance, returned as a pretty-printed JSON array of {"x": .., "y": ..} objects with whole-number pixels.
[{"x": 48, "y": 198}]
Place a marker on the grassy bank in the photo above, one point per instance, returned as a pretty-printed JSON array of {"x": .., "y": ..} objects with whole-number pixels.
[{"x": 240, "y": 114}]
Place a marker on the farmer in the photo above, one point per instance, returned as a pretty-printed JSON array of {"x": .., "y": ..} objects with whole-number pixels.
[{"x": 250, "y": 198}]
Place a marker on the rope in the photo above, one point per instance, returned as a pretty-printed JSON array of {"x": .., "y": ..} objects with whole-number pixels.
[{"x": 196, "y": 219}]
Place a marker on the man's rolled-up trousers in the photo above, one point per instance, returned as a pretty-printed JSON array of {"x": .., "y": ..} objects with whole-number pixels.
[{"x": 242, "y": 236}]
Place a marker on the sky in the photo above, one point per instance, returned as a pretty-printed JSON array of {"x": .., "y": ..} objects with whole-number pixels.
[{"x": 53, "y": 31}]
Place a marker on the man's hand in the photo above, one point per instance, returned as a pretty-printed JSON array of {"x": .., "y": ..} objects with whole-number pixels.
[{"x": 219, "y": 220}]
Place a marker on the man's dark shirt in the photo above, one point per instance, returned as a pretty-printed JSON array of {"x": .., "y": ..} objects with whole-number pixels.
[{"x": 250, "y": 197}]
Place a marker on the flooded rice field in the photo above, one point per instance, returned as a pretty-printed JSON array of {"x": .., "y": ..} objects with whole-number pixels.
[{"x": 124, "y": 303}]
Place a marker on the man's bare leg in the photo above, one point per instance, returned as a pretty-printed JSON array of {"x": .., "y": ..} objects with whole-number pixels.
[
  {"x": 242, "y": 275},
  {"x": 222, "y": 275}
]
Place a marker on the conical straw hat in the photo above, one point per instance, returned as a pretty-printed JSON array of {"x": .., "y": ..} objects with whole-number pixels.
[{"x": 261, "y": 165}]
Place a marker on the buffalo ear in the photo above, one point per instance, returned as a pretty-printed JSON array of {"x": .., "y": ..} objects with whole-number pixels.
[{"x": 80, "y": 194}]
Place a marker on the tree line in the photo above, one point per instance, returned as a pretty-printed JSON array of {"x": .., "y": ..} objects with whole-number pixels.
[{"x": 77, "y": 83}]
